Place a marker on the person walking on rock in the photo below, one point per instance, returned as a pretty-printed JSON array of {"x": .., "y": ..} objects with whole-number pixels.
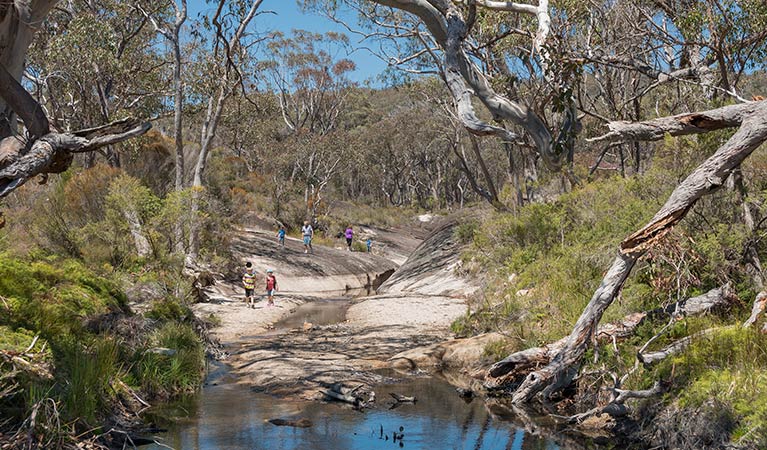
[
  {"x": 249, "y": 283},
  {"x": 369, "y": 244},
  {"x": 349, "y": 233},
  {"x": 281, "y": 236},
  {"x": 308, "y": 233},
  {"x": 271, "y": 286}
]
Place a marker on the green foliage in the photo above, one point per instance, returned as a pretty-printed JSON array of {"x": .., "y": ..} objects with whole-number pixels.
[
  {"x": 52, "y": 296},
  {"x": 555, "y": 253},
  {"x": 730, "y": 366},
  {"x": 90, "y": 369},
  {"x": 169, "y": 309},
  {"x": 160, "y": 374},
  {"x": 16, "y": 340},
  {"x": 465, "y": 231}
]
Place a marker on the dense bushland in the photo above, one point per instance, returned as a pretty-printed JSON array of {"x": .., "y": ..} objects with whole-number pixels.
[{"x": 546, "y": 261}]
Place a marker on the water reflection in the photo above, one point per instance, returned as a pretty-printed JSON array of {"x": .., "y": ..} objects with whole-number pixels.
[{"x": 231, "y": 416}]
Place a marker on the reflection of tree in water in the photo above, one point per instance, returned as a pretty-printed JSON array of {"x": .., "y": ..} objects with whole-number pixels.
[{"x": 482, "y": 432}]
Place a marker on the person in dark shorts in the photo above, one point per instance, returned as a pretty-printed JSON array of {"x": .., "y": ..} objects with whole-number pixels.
[
  {"x": 249, "y": 283},
  {"x": 349, "y": 233},
  {"x": 281, "y": 236}
]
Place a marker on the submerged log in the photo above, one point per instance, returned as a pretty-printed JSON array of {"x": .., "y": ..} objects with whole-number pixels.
[
  {"x": 298, "y": 423},
  {"x": 402, "y": 398}
]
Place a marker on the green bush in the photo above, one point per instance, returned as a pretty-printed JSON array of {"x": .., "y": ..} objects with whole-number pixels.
[
  {"x": 169, "y": 309},
  {"x": 164, "y": 375},
  {"x": 730, "y": 366},
  {"x": 51, "y": 296}
]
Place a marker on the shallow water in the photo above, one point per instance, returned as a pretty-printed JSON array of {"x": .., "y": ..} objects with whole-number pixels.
[
  {"x": 318, "y": 312},
  {"x": 226, "y": 415}
]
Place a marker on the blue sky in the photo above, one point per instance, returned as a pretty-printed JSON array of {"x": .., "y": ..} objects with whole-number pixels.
[{"x": 288, "y": 16}]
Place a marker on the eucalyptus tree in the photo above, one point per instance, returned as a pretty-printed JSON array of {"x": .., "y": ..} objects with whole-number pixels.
[
  {"x": 118, "y": 73},
  {"x": 311, "y": 83},
  {"x": 463, "y": 45},
  {"x": 223, "y": 75},
  {"x": 41, "y": 149},
  {"x": 170, "y": 29}
]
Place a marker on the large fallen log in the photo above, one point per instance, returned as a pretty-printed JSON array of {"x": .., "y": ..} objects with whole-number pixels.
[{"x": 525, "y": 360}]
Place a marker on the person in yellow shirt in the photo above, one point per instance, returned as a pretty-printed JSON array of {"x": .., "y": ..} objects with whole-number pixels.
[{"x": 249, "y": 283}]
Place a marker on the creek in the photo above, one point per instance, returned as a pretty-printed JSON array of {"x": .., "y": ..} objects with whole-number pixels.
[{"x": 225, "y": 414}]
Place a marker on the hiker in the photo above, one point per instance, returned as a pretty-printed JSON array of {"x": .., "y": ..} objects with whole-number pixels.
[
  {"x": 369, "y": 243},
  {"x": 249, "y": 283},
  {"x": 308, "y": 232},
  {"x": 281, "y": 236},
  {"x": 349, "y": 233},
  {"x": 271, "y": 286}
]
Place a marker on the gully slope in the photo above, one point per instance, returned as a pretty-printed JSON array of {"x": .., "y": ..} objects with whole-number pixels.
[{"x": 277, "y": 356}]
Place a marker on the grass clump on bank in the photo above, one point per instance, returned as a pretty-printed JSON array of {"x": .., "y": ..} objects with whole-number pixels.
[
  {"x": 90, "y": 352},
  {"x": 728, "y": 367}
]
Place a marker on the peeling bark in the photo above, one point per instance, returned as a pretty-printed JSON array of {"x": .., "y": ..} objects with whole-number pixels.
[
  {"x": 680, "y": 124},
  {"x": 760, "y": 302}
]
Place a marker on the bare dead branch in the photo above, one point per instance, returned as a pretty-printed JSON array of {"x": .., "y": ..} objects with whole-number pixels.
[
  {"x": 53, "y": 152},
  {"x": 679, "y": 125}
]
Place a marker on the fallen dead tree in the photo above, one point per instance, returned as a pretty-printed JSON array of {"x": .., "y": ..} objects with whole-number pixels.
[
  {"x": 357, "y": 397},
  {"x": 616, "y": 406},
  {"x": 675, "y": 347},
  {"x": 751, "y": 118},
  {"x": 520, "y": 363}
]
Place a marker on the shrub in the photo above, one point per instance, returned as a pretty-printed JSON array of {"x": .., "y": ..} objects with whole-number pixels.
[
  {"x": 89, "y": 370},
  {"x": 166, "y": 375}
]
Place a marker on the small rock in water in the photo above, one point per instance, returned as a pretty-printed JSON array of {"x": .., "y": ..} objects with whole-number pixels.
[{"x": 465, "y": 393}]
